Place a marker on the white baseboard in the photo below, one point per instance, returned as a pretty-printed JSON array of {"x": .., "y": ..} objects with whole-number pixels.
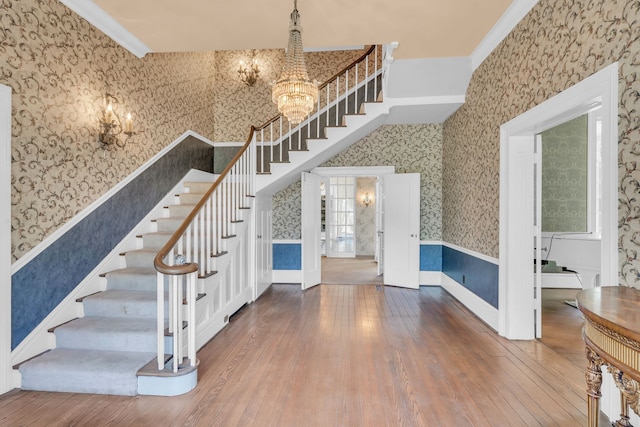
[
  {"x": 430, "y": 278},
  {"x": 287, "y": 276},
  {"x": 477, "y": 305}
]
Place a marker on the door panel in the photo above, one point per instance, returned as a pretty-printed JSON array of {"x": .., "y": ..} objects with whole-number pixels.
[
  {"x": 401, "y": 220},
  {"x": 311, "y": 228}
]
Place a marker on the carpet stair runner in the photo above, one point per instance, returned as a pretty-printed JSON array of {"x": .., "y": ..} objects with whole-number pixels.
[{"x": 103, "y": 351}]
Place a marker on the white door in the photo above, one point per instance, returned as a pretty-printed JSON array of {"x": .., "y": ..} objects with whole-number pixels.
[
  {"x": 402, "y": 230},
  {"x": 263, "y": 209},
  {"x": 537, "y": 234},
  {"x": 311, "y": 267},
  {"x": 379, "y": 227}
]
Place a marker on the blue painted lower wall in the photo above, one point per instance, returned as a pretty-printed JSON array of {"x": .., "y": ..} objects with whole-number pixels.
[
  {"x": 287, "y": 256},
  {"x": 477, "y": 275},
  {"x": 39, "y": 286}
]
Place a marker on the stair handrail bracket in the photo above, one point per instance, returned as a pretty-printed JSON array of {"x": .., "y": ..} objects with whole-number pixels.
[
  {"x": 190, "y": 251},
  {"x": 342, "y": 94}
]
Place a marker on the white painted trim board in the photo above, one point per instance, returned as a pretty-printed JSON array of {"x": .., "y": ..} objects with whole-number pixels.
[{"x": 5, "y": 239}]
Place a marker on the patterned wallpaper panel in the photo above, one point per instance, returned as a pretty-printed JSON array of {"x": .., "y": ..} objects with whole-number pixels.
[
  {"x": 365, "y": 217},
  {"x": 559, "y": 43},
  {"x": 239, "y": 106},
  {"x": 410, "y": 148},
  {"x": 59, "y": 67},
  {"x": 565, "y": 151}
]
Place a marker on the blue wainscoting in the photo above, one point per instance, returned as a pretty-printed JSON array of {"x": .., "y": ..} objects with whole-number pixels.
[
  {"x": 477, "y": 275},
  {"x": 287, "y": 256},
  {"x": 430, "y": 257},
  {"x": 39, "y": 286}
]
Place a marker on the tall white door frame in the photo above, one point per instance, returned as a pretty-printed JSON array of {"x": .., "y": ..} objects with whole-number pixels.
[
  {"x": 5, "y": 240},
  {"x": 600, "y": 89}
]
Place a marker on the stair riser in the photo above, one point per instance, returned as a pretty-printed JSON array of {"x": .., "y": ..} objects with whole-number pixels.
[
  {"x": 198, "y": 187},
  {"x": 133, "y": 282},
  {"x": 189, "y": 198},
  {"x": 155, "y": 240},
  {"x": 114, "y": 340},
  {"x": 180, "y": 211},
  {"x": 124, "y": 308},
  {"x": 137, "y": 259}
]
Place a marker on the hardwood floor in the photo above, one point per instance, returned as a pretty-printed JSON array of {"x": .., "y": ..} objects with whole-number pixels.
[
  {"x": 350, "y": 271},
  {"x": 361, "y": 355}
]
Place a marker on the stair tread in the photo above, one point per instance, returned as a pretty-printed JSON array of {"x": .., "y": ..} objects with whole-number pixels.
[{"x": 85, "y": 371}]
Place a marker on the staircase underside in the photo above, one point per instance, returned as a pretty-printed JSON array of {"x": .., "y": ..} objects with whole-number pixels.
[{"x": 316, "y": 151}]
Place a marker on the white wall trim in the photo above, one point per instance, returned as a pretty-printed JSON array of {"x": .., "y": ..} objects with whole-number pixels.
[
  {"x": 227, "y": 144},
  {"x": 287, "y": 276},
  {"x": 6, "y": 383},
  {"x": 507, "y": 22},
  {"x": 430, "y": 278},
  {"x": 26, "y": 258},
  {"x": 601, "y": 89},
  {"x": 354, "y": 170},
  {"x": 485, "y": 311},
  {"x": 472, "y": 253},
  {"x": 431, "y": 242},
  {"x": 105, "y": 23},
  {"x": 288, "y": 241}
]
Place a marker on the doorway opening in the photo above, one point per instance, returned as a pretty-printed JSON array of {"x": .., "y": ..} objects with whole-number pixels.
[
  {"x": 519, "y": 289},
  {"x": 398, "y": 212}
]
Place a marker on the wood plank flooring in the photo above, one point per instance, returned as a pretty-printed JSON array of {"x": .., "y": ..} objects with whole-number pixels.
[{"x": 352, "y": 355}]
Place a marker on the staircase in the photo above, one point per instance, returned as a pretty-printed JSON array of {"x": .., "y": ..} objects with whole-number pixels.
[
  {"x": 106, "y": 350},
  {"x": 140, "y": 334},
  {"x": 350, "y": 106}
]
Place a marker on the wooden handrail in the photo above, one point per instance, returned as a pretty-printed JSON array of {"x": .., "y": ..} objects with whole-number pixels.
[
  {"x": 187, "y": 268},
  {"x": 192, "y": 267},
  {"x": 323, "y": 85}
]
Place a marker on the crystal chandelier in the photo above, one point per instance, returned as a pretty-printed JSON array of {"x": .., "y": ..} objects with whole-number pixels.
[{"x": 294, "y": 93}]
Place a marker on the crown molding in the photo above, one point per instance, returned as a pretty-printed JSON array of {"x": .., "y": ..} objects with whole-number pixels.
[
  {"x": 97, "y": 17},
  {"x": 507, "y": 22}
]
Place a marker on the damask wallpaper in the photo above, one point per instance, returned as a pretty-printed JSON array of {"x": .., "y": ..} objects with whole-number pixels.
[
  {"x": 59, "y": 68},
  {"x": 239, "y": 106},
  {"x": 410, "y": 148},
  {"x": 565, "y": 175},
  {"x": 365, "y": 217},
  {"x": 559, "y": 43}
]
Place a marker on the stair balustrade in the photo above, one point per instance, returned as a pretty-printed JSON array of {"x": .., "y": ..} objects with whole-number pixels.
[
  {"x": 340, "y": 95},
  {"x": 190, "y": 253}
]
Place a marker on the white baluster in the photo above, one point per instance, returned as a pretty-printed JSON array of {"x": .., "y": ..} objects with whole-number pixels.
[
  {"x": 337, "y": 97},
  {"x": 160, "y": 320}
]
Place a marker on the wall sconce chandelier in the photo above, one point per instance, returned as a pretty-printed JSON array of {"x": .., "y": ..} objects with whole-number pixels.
[
  {"x": 111, "y": 125},
  {"x": 367, "y": 199},
  {"x": 294, "y": 93},
  {"x": 249, "y": 73}
]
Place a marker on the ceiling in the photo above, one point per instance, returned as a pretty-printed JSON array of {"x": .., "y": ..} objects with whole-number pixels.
[{"x": 423, "y": 28}]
